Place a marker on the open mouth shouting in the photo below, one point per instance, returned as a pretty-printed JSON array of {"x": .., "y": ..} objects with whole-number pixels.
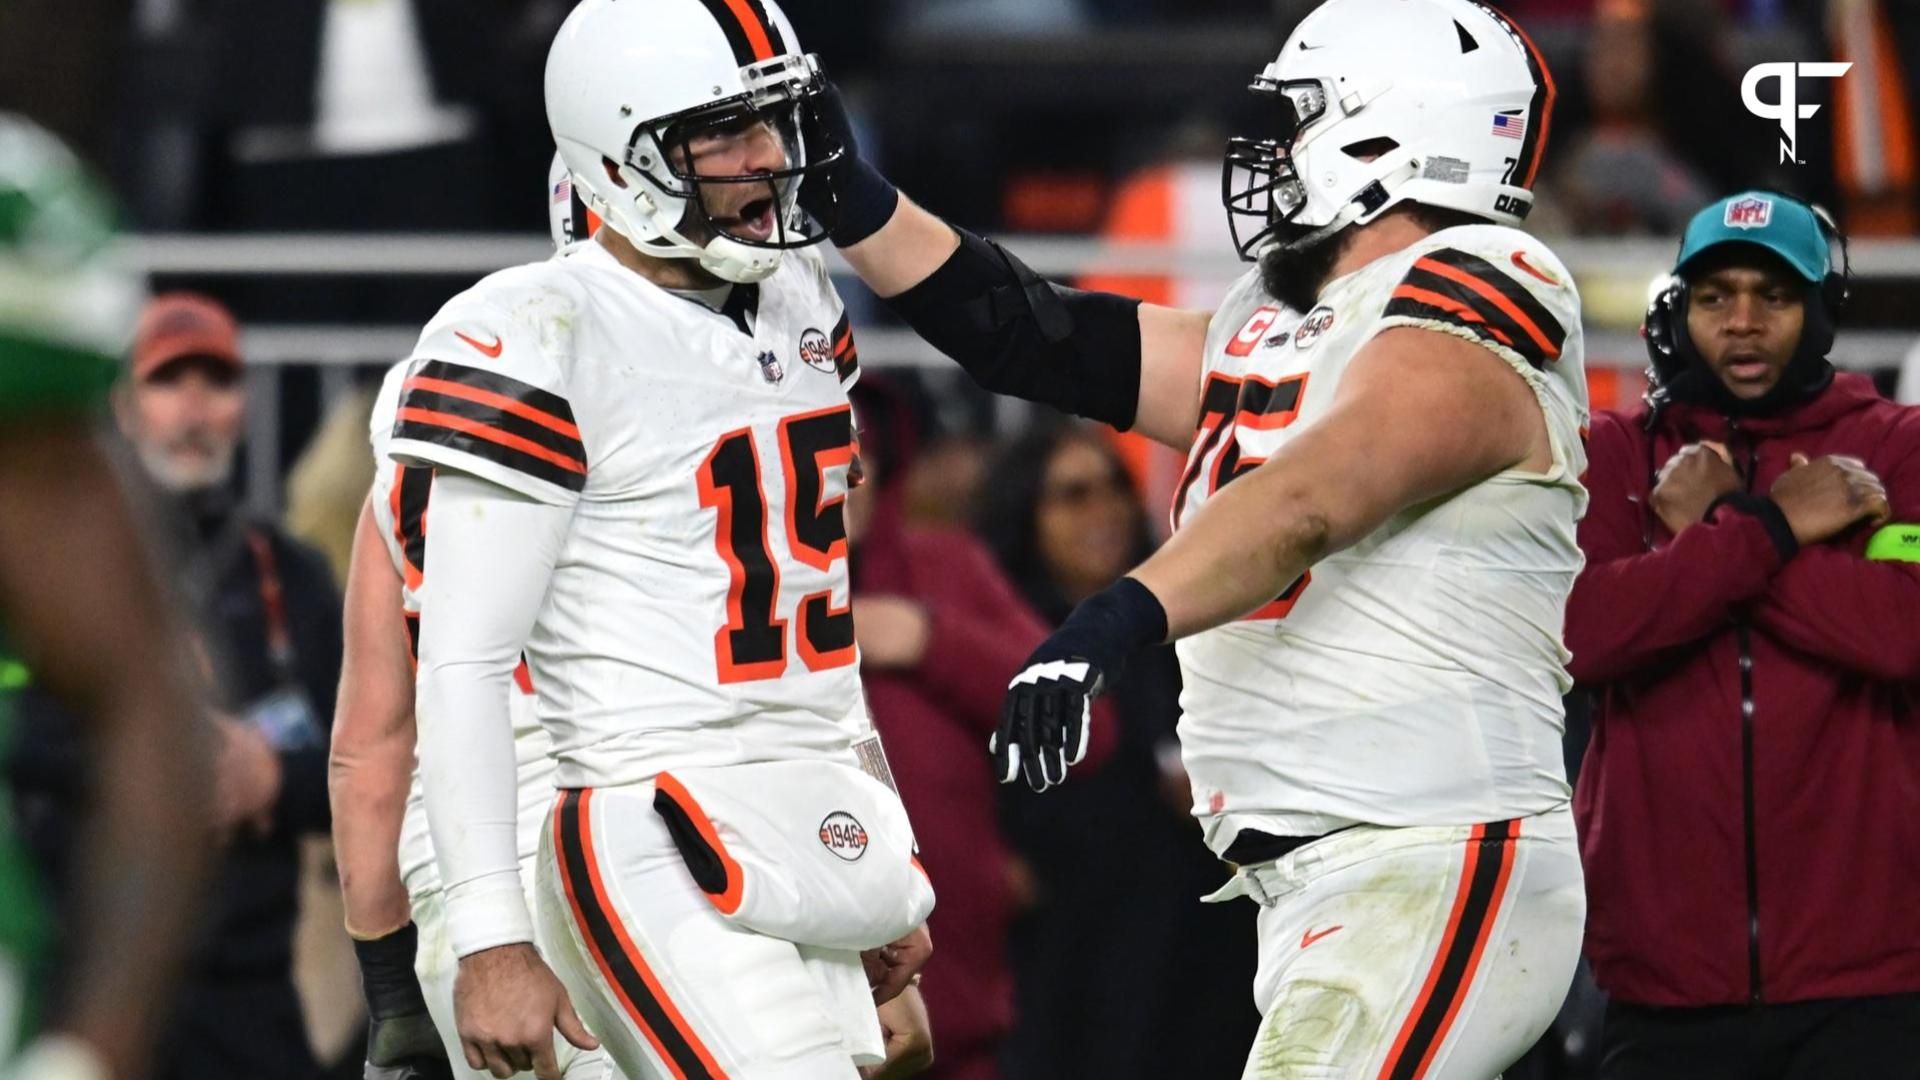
[{"x": 753, "y": 221}]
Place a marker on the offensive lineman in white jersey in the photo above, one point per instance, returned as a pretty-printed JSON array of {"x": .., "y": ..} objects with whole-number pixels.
[
  {"x": 640, "y": 449},
  {"x": 1375, "y": 532}
]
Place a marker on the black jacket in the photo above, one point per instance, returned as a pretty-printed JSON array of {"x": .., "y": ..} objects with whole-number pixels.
[{"x": 250, "y": 908}]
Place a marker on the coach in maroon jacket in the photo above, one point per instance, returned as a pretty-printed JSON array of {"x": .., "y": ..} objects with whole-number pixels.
[{"x": 1749, "y": 621}]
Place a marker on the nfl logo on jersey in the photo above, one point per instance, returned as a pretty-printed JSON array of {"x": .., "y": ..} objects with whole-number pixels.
[
  {"x": 770, "y": 367},
  {"x": 1751, "y": 213}
]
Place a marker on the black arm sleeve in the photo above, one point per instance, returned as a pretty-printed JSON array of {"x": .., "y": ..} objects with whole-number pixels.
[{"x": 1018, "y": 334}]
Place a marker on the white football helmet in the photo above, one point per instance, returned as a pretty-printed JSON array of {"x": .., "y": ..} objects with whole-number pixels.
[
  {"x": 629, "y": 80},
  {"x": 569, "y": 217},
  {"x": 1379, "y": 102}
]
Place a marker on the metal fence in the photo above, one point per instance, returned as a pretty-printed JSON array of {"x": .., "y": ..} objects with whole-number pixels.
[{"x": 1613, "y": 275}]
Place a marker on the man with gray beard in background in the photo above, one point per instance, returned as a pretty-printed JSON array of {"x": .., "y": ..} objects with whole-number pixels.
[{"x": 265, "y": 620}]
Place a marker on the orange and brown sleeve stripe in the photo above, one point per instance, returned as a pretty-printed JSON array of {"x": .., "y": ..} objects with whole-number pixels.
[
  {"x": 496, "y": 418},
  {"x": 1451, "y": 286},
  {"x": 846, "y": 355}
]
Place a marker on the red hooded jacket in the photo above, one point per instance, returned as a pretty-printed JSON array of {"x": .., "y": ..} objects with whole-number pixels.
[
  {"x": 1749, "y": 807},
  {"x": 935, "y": 719}
]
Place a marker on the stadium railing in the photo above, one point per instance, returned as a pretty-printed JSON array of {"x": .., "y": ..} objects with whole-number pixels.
[{"x": 1614, "y": 277}]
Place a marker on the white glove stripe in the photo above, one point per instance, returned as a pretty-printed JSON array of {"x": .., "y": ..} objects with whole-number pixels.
[
  {"x": 1086, "y": 730},
  {"x": 1075, "y": 670}
]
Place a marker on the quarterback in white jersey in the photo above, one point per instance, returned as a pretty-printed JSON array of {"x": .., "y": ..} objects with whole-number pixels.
[
  {"x": 640, "y": 451},
  {"x": 1375, "y": 533}
]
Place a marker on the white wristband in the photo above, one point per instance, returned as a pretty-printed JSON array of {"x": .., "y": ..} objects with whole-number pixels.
[{"x": 487, "y": 912}]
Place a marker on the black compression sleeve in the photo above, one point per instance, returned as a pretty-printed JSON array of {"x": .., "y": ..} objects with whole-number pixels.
[{"x": 1017, "y": 333}]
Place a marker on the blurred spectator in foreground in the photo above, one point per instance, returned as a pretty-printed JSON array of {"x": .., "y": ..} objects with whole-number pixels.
[
  {"x": 940, "y": 632},
  {"x": 1667, "y": 126},
  {"x": 268, "y": 619},
  {"x": 1116, "y": 853},
  {"x": 83, "y": 623},
  {"x": 1750, "y": 796}
]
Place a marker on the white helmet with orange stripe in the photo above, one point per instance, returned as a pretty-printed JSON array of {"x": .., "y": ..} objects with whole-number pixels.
[
  {"x": 1379, "y": 102},
  {"x": 633, "y": 87}
]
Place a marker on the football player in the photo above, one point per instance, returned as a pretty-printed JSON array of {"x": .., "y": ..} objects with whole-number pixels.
[
  {"x": 82, "y": 618},
  {"x": 1375, "y": 532},
  {"x": 394, "y": 906},
  {"x": 638, "y": 454}
]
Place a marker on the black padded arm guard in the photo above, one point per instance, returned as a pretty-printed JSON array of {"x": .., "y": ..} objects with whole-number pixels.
[{"x": 1016, "y": 333}]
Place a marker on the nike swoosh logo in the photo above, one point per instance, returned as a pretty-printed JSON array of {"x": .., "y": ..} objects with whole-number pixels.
[
  {"x": 1310, "y": 937},
  {"x": 1304, "y": 47},
  {"x": 1520, "y": 260},
  {"x": 491, "y": 352}
]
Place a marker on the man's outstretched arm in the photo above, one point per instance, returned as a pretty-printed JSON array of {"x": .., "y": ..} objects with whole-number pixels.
[
  {"x": 1419, "y": 414},
  {"x": 1106, "y": 357},
  {"x": 79, "y": 597}
]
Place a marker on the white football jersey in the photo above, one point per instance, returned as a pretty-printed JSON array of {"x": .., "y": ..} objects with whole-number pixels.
[
  {"x": 399, "y": 499},
  {"x": 1414, "y": 678},
  {"x": 699, "y": 613}
]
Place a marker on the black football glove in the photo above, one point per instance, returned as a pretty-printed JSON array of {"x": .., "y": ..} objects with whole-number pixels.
[
  {"x": 850, "y": 198},
  {"x": 1047, "y": 720},
  {"x": 402, "y": 1043}
]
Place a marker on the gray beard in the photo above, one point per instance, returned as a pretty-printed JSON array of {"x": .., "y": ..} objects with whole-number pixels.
[{"x": 171, "y": 474}]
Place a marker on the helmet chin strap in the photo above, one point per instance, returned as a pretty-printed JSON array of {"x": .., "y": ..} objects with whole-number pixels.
[
  {"x": 723, "y": 257},
  {"x": 1354, "y": 209}
]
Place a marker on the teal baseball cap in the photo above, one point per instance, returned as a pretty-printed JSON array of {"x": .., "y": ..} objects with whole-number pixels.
[{"x": 1780, "y": 224}]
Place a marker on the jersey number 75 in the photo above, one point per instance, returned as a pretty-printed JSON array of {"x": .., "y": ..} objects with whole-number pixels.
[{"x": 753, "y": 643}]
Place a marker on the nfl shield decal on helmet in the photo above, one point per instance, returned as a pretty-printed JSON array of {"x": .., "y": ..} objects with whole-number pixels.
[
  {"x": 1750, "y": 213},
  {"x": 816, "y": 351},
  {"x": 842, "y": 835}
]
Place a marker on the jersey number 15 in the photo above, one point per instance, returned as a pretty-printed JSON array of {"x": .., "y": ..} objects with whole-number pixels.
[{"x": 753, "y": 643}]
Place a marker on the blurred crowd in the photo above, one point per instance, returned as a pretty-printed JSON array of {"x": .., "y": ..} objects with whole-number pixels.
[{"x": 318, "y": 114}]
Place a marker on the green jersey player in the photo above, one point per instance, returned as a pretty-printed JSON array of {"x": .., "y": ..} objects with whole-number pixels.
[{"x": 81, "y": 616}]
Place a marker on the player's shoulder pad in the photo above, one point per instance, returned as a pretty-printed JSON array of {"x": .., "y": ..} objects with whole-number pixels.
[
  {"x": 486, "y": 388},
  {"x": 1498, "y": 284},
  {"x": 385, "y": 404}
]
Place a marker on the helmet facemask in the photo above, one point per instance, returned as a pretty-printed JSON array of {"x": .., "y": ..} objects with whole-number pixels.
[
  {"x": 661, "y": 162},
  {"x": 1259, "y": 182}
]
